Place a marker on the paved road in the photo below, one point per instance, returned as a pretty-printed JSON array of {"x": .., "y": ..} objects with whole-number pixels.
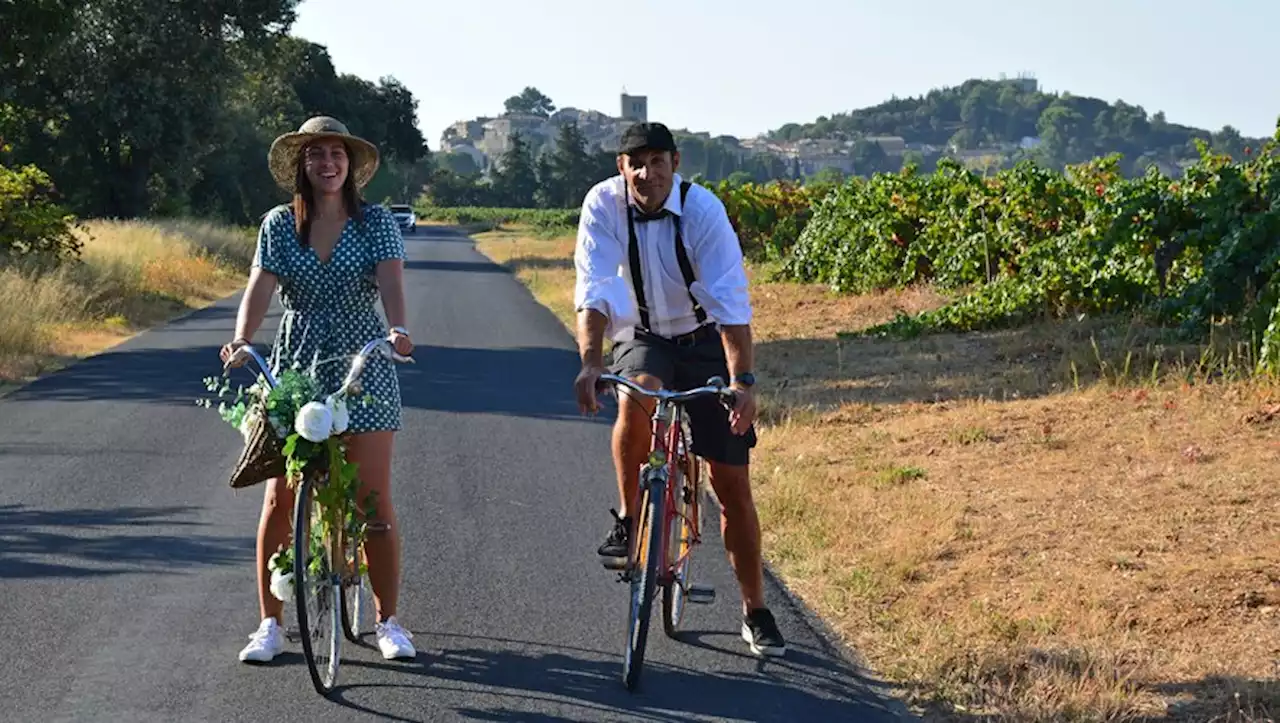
[{"x": 126, "y": 561}]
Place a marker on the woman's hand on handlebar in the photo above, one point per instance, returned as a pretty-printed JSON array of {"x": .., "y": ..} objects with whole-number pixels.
[
  {"x": 229, "y": 356},
  {"x": 401, "y": 342}
]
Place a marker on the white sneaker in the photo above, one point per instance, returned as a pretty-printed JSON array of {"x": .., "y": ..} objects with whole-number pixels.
[
  {"x": 393, "y": 640},
  {"x": 265, "y": 644}
]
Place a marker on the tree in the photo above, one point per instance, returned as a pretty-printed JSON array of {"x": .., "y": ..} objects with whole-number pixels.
[
  {"x": 1229, "y": 141},
  {"x": 604, "y": 165},
  {"x": 570, "y": 173},
  {"x": 979, "y": 111},
  {"x": 460, "y": 163},
  {"x": 827, "y": 175},
  {"x": 516, "y": 180},
  {"x": 400, "y": 181},
  {"x": 546, "y": 196},
  {"x": 448, "y": 189},
  {"x": 868, "y": 157},
  {"x": 1059, "y": 126},
  {"x": 530, "y": 101},
  {"x": 126, "y": 95},
  {"x": 138, "y": 107}
]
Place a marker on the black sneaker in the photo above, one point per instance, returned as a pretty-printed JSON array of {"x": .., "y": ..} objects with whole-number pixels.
[
  {"x": 762, "y": 634},
  {"x": 613, "y": 553}
]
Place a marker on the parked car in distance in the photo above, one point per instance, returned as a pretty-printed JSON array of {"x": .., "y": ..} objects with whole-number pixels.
[{"x": 405, "y": 216}]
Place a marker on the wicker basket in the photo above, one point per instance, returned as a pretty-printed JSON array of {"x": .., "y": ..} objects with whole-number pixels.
[{"x": 262, "y": 458}]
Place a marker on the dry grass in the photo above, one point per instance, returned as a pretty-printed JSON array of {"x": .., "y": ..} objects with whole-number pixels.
[
  {"x": 132, "y": 275},
  {"x": 1071, "y": 521},
  {"x": 544, "y": 264},
  {"x": 1090, "y": 551}
]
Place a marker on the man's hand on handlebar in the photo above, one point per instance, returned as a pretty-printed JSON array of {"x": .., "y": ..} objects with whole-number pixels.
[
  {"x": 586, "y": 386},
  {"x": 743, "y": 412}
]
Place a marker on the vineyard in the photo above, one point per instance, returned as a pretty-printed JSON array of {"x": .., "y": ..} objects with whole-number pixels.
[
  {"x": 1025, "y": 243},
  {"x": 537, "y": 218},
  {"x": 1030, "y": 242},
  {"x": 769, "y": 218}
]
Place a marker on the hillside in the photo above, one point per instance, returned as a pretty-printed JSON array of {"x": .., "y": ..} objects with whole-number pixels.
[
  {"x": 988, "y": 124},
  {"x": 471, "y": 147},
  {"x": 1014, "y": 118}
]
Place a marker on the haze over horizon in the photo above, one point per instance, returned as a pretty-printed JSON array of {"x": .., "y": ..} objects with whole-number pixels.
[{"x": 743, "y": 68}]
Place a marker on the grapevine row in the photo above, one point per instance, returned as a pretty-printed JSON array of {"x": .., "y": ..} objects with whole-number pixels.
[{"x": 1030, "y": 242}]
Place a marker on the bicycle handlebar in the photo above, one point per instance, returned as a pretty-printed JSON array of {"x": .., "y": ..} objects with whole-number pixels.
[
  {"x": 362, "y": 357},
  {"x": 262, "y": 363},
  {"x": 381, "y": 344},
  {"x": 714, "y": 386}
]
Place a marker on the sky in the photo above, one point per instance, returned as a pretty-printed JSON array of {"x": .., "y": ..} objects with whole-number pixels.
[{"x": 744, "y": 67}]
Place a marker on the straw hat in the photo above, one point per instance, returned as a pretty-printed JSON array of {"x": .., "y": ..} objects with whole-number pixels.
[{"x": 282, "y": 159}]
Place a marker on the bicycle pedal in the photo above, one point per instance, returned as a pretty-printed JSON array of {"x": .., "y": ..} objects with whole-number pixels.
[{"x": 701, "y": 594}]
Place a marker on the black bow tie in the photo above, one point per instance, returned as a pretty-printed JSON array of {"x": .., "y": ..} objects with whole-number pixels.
[{"x": 643, "y": 217}]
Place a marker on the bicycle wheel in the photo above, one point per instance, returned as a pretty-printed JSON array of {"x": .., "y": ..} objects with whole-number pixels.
[
  {"x": 357, "y": 597},
  {"x": 682, "y": 537},
  {"x": 644, "y": 576},
  {"x": 318, "y": 590}
]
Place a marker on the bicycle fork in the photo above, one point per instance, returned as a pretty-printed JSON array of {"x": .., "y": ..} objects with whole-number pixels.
[
  {"x": 653, "y": 481},
  {"x": 656, "y": 480}
]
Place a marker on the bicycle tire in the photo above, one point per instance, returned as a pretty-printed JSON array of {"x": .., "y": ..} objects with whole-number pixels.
[
  {"x": 328, "y": 589},
  {"x": 649, "y": 532},
  {"x": 675, "y": 593}
]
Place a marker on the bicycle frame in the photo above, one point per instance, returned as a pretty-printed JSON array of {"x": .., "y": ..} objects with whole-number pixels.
[{"x": 668, "y": 447}]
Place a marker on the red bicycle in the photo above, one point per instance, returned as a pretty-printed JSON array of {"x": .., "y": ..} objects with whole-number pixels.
[{"x": 667, "y": 515}]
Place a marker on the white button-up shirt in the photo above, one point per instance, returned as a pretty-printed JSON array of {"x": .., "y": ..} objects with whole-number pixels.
[{"x": 604, "y": 269}]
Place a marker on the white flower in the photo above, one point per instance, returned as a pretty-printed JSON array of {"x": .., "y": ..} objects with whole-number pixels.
[
  {"x": 314, "y": 422},
  {"x": 282, "y": 586},
  {"x": 341, "y": 417}
]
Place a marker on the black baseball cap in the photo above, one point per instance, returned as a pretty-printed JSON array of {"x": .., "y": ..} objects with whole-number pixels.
[{"x": 653, "y": 136}]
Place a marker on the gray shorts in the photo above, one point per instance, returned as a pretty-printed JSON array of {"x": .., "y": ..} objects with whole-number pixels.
[{"x": 686, "y": 364}]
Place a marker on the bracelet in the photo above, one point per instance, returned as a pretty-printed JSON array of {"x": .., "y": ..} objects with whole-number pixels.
[{"x": 399, "y": 330}]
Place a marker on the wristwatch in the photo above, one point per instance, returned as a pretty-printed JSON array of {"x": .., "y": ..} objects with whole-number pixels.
[{"x": 746, "y": 379}]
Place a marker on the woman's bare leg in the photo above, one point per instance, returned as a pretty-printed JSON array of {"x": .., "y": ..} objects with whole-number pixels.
[{"x": 372, "y": 452}]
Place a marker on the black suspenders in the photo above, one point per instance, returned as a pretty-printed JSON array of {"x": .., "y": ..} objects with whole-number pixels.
[{"x": 682, "y": 256}]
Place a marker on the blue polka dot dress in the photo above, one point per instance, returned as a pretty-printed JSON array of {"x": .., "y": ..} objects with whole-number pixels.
[{"x": 329, "y": 307}]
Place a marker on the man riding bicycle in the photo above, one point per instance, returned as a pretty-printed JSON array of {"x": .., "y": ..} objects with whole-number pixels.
[{"x": 660, "y": 272}]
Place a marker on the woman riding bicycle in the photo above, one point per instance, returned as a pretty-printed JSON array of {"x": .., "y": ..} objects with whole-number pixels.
[{"x": 332, "y": 256}]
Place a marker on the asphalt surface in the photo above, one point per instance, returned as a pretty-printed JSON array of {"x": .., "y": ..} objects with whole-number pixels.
[{"x": 126, "y": 562}]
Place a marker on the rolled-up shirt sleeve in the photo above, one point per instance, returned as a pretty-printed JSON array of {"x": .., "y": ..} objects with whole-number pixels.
[
  {"x": 599, "y": 258},
  {"x": 716, "y": 254}
]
